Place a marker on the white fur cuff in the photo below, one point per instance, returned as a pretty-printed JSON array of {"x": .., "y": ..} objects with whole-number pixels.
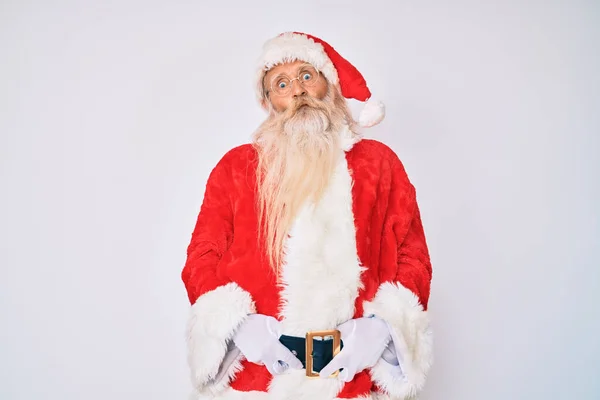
[
  {"x": 213, "y": 319},
  {"x": 411, "y": 333}
]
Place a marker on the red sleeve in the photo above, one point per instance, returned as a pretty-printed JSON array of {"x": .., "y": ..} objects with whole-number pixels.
[
  {"x": 218, "y": 305},
  {"x": 211, "y": 236},
  {"x": 402, "y": 297},
  {"x": 414, "y": 265}
]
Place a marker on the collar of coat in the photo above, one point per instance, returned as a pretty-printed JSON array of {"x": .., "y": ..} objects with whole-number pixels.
[{"x": 348, "y": 138}]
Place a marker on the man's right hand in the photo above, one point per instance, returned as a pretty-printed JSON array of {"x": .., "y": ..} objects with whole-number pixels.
[{"x": 258, "y": 340}]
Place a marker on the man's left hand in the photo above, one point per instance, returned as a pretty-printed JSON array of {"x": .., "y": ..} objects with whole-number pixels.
[{"x": 365, "y": 340}]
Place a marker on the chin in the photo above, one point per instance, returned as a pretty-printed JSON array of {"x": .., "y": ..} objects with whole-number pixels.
[{"x": 304, "y": 110}]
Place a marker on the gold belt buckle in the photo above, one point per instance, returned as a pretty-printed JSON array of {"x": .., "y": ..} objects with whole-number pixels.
[{"x": 309, "y": 349}]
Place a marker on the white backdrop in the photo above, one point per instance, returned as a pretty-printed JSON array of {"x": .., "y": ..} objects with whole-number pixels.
[{"x": 113, "y": 113}]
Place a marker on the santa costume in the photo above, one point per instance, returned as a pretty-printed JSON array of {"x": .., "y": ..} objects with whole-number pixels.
[{"x": 361, "y": 251}]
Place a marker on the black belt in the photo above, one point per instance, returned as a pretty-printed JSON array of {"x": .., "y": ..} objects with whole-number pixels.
[{"x": 321, "y": 352}]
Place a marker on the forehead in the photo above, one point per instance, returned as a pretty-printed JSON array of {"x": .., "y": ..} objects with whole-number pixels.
[{"x": 287, "y": 68}]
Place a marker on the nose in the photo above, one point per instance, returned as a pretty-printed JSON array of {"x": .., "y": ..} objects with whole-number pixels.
[{"x": 298, "y": 89}]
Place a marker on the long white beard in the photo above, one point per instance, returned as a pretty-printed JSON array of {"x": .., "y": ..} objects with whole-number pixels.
[{"x": 298, "y": 151}]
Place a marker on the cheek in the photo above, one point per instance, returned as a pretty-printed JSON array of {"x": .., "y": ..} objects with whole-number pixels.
[
  {"x": 319, "y": 91},
  {"x": 281, "y": 103}
]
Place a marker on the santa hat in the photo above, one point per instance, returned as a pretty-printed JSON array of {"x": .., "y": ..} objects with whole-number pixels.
[{"x": 292, "y": 46}]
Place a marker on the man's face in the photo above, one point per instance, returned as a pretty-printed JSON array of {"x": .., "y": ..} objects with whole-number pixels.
[{"x": 296, "y": 75}]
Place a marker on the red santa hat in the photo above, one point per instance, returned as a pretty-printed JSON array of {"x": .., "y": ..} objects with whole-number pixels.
[{"x": 292, "y": 46}]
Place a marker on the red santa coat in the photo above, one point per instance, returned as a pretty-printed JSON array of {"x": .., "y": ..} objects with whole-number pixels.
[{"x": 361, "y": 251}]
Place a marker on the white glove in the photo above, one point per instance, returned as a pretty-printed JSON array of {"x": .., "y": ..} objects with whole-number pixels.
[
  {"x": 258, "y": 340},
  {"x": 389, "y": 354},
  {"x": 230, "y": 356},
  {"x": 365, "y": 340}
]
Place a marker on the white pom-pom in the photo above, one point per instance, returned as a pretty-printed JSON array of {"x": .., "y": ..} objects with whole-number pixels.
[{"x": 372, "y": 113}]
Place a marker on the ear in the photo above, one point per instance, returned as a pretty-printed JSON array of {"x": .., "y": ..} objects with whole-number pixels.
[{"x": 266, "y": 103}]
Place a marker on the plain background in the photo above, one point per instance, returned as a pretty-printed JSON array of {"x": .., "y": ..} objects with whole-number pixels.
[{"x": 113, "y": 113}]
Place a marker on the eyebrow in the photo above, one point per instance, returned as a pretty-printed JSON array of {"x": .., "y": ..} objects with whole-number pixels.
[{"x": 300, "y": 67}]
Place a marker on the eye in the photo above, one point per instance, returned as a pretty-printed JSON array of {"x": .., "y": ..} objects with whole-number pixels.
[
  {"x": 307, "y": 76},
  {"x": 281, "y": 85}
]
